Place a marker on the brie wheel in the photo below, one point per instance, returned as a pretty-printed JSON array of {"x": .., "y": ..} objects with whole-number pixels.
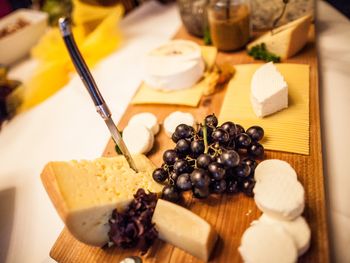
[
  {"x": 138, "y": 138},
  {"x": 177, "y": 64},
  {"x": 176, "y": 118},
  {"x": 298, "y": 229},
  {"x": 146, "y": 119},
  {"x": 267, "y": 169},
  {"x": 266, "y": 243},
  {"x": 280, "y": 196}
]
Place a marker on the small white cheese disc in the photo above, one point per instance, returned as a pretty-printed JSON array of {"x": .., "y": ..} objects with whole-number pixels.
[
  {"x": 266, "y": 243},
  {"x": 281, "y": 196},
  {"x": 138, "y": 138},
  {"x": 146, "y": 119},
  {"x": 269, "y": 91},
  {"x": 176, "y": 118},
  {"x": 269, "y": 168},
  {"x": 298, "y": 229}
]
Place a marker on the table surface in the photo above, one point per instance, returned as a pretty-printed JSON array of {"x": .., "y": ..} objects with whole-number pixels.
[{"x": 59, "y": 130}]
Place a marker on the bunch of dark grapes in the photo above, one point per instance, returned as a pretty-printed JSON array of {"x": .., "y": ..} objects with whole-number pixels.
[{"x": 211, "y": 159}]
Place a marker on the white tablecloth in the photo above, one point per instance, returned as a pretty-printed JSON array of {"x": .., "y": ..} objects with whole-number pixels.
[{"x": 66, "y": 127}]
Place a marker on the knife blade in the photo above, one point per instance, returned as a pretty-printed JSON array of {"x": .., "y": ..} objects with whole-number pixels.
[{"x": 90, "y": 84}]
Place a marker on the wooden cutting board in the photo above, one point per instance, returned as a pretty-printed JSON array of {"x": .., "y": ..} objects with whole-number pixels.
[{"x": 230, "y": 215}]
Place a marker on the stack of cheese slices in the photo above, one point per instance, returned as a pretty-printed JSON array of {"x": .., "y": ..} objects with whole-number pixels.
[
  {"x": 281, "y": 234},
  {"x": 175, "y": 65}
]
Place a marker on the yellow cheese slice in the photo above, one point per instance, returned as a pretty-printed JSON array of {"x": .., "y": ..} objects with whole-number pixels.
[
  {"x": 85, "y": 193},
  {"x": 287, "y": 130},
  {"x": 287, "y": 40},
  {"x": 184, "y": 229},
  {"x": 187, "y": 97}
]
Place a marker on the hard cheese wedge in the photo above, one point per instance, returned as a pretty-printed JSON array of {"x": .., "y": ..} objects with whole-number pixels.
[
  {"x": 184, "y": 229},
  {"x": 287, "y": 40},
  {"x": 85, "y": 193}
]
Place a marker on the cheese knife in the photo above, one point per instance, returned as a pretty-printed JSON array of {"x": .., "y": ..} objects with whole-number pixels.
[{"x": 90, "y": 84}]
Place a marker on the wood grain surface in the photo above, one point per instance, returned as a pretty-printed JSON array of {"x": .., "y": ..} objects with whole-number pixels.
[{"x": 230, "y": 215}]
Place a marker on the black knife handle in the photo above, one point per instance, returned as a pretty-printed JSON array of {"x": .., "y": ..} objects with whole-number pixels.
[{"x": 79, "y": 62}]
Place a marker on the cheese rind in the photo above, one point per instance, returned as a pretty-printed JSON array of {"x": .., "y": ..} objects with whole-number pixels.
[
  {"x": 85, "y": 193},
  {"x": 269, "y": 91},
  {"x": 287, "y": 40},
  {"x": 184, "y": 229},
  {"x": 265, "y": 243}
]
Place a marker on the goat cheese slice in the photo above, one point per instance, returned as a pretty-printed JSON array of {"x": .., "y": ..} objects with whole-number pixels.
[
  {"x": 269, "y": 91},
  {"x": 138, "y": 138},
  {"x": 184, "y": 229},
  {"x": 267, "y": 169},
  {"x": 176, "y": 118},
  {"x": 266, "y": 243},
  {"x": 280, "y": 196},
  {"x": 147, "y": 119},
  {"x": 298, "y": 229}
]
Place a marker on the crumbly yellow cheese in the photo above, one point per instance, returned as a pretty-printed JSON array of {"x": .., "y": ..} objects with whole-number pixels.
[
  {"x": 184, "y": 229},
  {"x": 287, "y": 40},
  {"x": 86, "y": 192}
]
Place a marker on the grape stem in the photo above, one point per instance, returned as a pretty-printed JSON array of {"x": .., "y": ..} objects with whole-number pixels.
[{"x": 205, "y": 138}]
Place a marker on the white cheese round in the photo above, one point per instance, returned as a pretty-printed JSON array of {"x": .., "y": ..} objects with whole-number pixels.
[
  {"x": 298, "y": 229},
  {"x": 281, "y": 196},
  {"x": 177, "y": 64},
  {"x": 266, "y": 243},
  {"x": 176, "y": 118},
  {"x": 138, "y": 138},
  {"x": 147, "y": 119},
  {"x": 267, "y": 169}
]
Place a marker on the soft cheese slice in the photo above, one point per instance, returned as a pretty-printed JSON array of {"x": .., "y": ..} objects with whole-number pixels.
[
  {"x": 138, "y": 138},
  {"x": 176, "y": 118},
  {"x": 281, "y": 196},
  {"x": 269, "y": 91},
  {"x": 287, "y": 40},
  {"x": 298, "y": 229},
  {"x": 85, "y": 193},
  {"x": 147, "y": 119},
  {"x": 266, "y": 243},
  {"x": 184, "y": 229},
  {"x": 267, "y": 169}
]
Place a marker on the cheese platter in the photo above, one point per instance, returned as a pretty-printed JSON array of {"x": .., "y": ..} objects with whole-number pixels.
[{"x": 230, "y": 215}]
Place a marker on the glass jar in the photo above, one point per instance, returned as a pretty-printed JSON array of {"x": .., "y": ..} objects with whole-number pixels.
[
  {"x": 194, "y": 15},
  {"x": 229, "y": 24}
]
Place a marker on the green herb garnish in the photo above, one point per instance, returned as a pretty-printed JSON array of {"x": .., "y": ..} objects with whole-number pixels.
[
  {"x": 260, "y": 52},
  {"x": 207, "y": 37}
]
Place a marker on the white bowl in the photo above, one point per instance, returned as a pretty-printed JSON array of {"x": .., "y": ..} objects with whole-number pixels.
[{"x": 18, "y": 44}]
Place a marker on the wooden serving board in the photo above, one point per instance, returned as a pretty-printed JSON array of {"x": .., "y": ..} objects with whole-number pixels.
[{"x": 230, "y": 215}]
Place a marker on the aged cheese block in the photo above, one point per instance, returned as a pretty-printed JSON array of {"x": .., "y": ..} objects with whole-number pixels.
[
  {"x": 287, "y": 40},
  {"x": 269, "y": 90},
  {"x": 85, "y": 193},
  {"x": 184, "y": 229}
]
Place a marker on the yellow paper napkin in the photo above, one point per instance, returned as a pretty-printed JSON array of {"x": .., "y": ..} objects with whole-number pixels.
[
  {"x": 187, "y": 97},
  {"x": 287, "y": 130}
]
